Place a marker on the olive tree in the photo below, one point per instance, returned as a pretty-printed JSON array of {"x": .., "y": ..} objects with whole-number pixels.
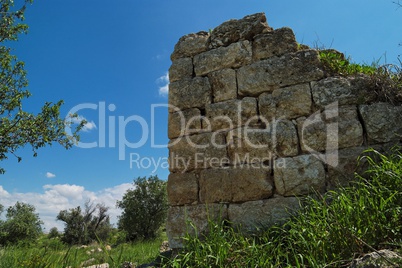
[
  {"x": 144, "y": 208},
  {"x": 82, "y": 226},
  {"x": 17, "y": 126}
]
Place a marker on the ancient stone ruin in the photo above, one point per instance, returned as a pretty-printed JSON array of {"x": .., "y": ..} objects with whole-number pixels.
[{"x": 255, "y": 122}]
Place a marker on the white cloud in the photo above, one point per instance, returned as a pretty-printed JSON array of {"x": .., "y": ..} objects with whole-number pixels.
[
  {"x": 50, "y": 175},
  {"x": 3, "y": 193},
  {"x": 89, "y": 125},
  {"x": 163, "y": 83},
  {"x": 57, "y": 197}
]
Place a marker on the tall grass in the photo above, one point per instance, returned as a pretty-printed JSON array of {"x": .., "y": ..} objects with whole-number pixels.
[
  {"x": 329, "y": 230},
  {"x": 54, "y": 254}
]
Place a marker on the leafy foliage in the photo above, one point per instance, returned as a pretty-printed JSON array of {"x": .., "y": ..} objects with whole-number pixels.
[
  {"x": 336, "y": 63},
  {"x": 21, "y": 224},
  {"x": 144, "y": 208},
  {"x": 18, "y": 127},
  {"x": 84, "y": 227},
  {"x": 53, "y": 233}
]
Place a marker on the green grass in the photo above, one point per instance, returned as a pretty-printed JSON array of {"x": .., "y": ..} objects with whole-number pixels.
[
  {"x": 385, "y": 79},
  {"x": 336, "y": 63},
  {"x": 51, "y": 253},
  {"x": 329, "y": 231}
]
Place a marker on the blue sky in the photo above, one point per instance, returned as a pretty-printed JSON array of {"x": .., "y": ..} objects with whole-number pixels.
[{"x": 115, "y": 54}]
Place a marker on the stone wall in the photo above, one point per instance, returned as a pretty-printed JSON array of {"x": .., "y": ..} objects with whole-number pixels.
[{"x": 255, "y": 122}]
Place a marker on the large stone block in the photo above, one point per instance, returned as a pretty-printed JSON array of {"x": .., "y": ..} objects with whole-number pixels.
[
  {"x": 190, "y": 45},
  {"x": 346, "y": 91},
  {"x": 344, "y": 173},
  {"x": 224, "y": 85},
  {"x": 382, "y": 121},
  {"x": 182, "y": 189},
  {"x": 189, "y": 93},
  {"x": 286, "y": 103},
  {"x": 235, "y": 184},
  {"x": 181, "y": 69},
  {"x": 230, "y": 114},
  {"x": 184, "y": 122},
  {"x": 275, "y": 43},
  {"x": 289, "y": 69},
  {"x": 249, "y": 145},
  {"x": 335, "y": 128},
  {"x": 235, "y": 30},
  {"x": 200, "y": 151},
  {"x": 299, "y": 175},
  {"x": 192, "y": 220},
  {"x": 286, "y": 139},
  {"x": 233, "y": 56},
  {"x": 252, "y": 216}
]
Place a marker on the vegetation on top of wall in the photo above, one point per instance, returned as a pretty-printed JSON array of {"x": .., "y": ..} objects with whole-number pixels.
[
  {"x": 386, "y": 79},
  {"x": 335, "y": 63},
  {"x": 329, "y": 231}
]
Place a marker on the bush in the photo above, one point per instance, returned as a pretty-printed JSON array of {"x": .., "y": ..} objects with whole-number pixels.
[{"x": 144, "y": 208}]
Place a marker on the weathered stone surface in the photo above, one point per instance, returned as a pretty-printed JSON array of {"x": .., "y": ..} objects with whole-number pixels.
[
  {"x": 235, "y": 30},
  {"x": 299, "y": 175},
  {"x": 383, "y": 258},
  {"x": 248, "y": 145},
  {"x": 254, "y": 215},
  {"x": 224, "y": 85},
  {"x": 182, "y": 188},
  {"x": 343, "y": 173},
  {"x": 190, "y": 45},
  {"x": 235, "y": 184},
  {"x": 289, "y": 69},
  {"x": 346, "y": 91},
  {"x": 286, "y": 103},
  {"x": 184, "y": 123},
  {"x": 382, "y": 121},
  {"x": 200, "y": 151},
  {"x": 189, "y": 93},
  {"x": 332, "y": 129},
  {"x": 275, "y": 43},
  {"x": 179, "y": 219},
  {"x": 233, "y": 56},
  {"x": 181, "y": 69},
  {"x": 230, "y": 114},
  {"x": 286, "y": 140}
]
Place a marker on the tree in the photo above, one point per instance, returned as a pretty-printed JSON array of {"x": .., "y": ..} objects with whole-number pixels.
[
  {"x": 144, "y": 208},
  {"x": 85, "y": 226},
  {"x": 53, "y": 233},
  {"x": 18, "y": 127},
  {"x": 22, "y": 223}
]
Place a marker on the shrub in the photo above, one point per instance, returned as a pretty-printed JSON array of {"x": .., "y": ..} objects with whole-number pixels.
[{"x": 144, "y": 208}]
